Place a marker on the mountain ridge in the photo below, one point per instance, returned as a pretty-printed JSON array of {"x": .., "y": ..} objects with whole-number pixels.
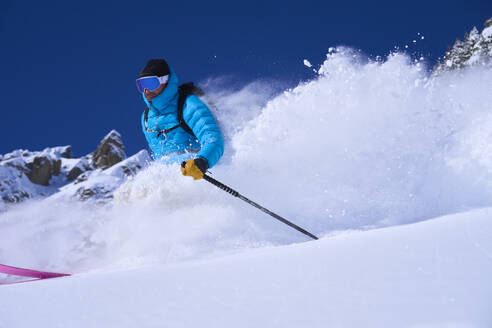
[{"x": 38, "y": 174}]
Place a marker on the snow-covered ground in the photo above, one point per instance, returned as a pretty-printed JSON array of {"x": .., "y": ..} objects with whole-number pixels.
[
  {"x": 429, "y": 274},
  {"x": 365, "y": 156}
]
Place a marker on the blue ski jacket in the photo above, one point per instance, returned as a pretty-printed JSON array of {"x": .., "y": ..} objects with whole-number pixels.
[{"x": 178, "y": 145}]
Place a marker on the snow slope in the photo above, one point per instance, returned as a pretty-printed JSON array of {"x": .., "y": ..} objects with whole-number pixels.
[{"x": 429, "y": 274}]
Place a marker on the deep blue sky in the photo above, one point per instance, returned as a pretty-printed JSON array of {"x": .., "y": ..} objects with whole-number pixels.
[{"x": 68, "y": 67}]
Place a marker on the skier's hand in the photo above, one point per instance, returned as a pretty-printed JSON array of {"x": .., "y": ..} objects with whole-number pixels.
[{"x": 195, "y": 168}]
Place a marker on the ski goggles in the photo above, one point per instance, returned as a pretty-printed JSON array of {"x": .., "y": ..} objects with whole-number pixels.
[{"x": 151, "y": 82}]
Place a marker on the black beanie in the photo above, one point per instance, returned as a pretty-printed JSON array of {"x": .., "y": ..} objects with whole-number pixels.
[{"x": 157, "y": 67}]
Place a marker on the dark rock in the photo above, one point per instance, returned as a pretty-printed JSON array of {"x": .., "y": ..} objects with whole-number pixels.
[
  {"x": 488, "y": 23},
  {"x": 131, "y": 170},
  {"x": 85, "y": 193},
  {"x": 74, "y": 173},
  {"x": 83, "y": 165},
  {"x": 16, "y": 197},
  {"x": 67, "y": 153},
  {"x": 40, "y": 171},
  {"x": 99, "y": 193},
  {"x": 110, "y": 151},
  {"x": 57, "y": 166},
  {"x": 81, "y": 178}
]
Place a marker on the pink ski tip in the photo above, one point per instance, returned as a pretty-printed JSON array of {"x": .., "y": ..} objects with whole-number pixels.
[{"x": 30, "y": 273}]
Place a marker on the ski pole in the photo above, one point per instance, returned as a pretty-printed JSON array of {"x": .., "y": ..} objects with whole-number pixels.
[{"x": 238, "y": 195}]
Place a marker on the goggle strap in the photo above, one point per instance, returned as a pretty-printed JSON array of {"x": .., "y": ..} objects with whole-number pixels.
[{"x": 162, "y": 79}]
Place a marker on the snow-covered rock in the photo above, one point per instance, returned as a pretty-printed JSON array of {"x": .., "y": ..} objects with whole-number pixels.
[
  {"x": 81, "y": 166},
  {"x": 475, "y": 49},
  {"x": 98, "y": 185},
  {"x": 25, "y": 174},
  {"x": 36, "y": 174},
  {"x": 110, "y": 151}
]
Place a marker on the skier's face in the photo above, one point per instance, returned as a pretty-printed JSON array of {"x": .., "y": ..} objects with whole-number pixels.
[{"x": 149, "y": 95}]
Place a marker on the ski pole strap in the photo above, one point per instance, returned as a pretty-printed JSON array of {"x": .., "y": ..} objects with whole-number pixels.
[
  {"x": 276, "y": 216},
  {"x": 29, "y": 273}
]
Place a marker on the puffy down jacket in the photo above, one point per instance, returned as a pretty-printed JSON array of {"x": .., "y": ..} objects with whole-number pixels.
[{"x": 178, "y": 145}]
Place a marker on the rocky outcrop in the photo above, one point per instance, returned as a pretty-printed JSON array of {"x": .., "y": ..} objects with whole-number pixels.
[
  {"x": 39, "y": 167},
  {"x": 83, "y": 165},
  {"x": 14, "y": 185},
  {"x": 11, "y": 190},
  {"x": 475, "y": 49},
  {"x": 40, "y": 170},
  {"x": 52, "y": 171},
  {"x": 99, "y": 185},
  {"x": 110, "y": 151},
  {"x": 66, "y": 153},
  {"x": 100, "y": 194}
]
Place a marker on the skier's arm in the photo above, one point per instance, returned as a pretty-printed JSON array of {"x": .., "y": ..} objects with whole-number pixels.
[{"x": 199, "y": 118}]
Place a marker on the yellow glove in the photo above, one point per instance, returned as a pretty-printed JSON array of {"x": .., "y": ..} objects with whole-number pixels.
[{"x": 195, "y": 168}]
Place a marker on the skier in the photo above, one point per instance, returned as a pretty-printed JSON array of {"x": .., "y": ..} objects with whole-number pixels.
[{"x": 196, "y": 141}]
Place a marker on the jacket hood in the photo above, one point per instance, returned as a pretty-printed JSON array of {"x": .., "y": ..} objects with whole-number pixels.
[{"x": 168, "y": 96}]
